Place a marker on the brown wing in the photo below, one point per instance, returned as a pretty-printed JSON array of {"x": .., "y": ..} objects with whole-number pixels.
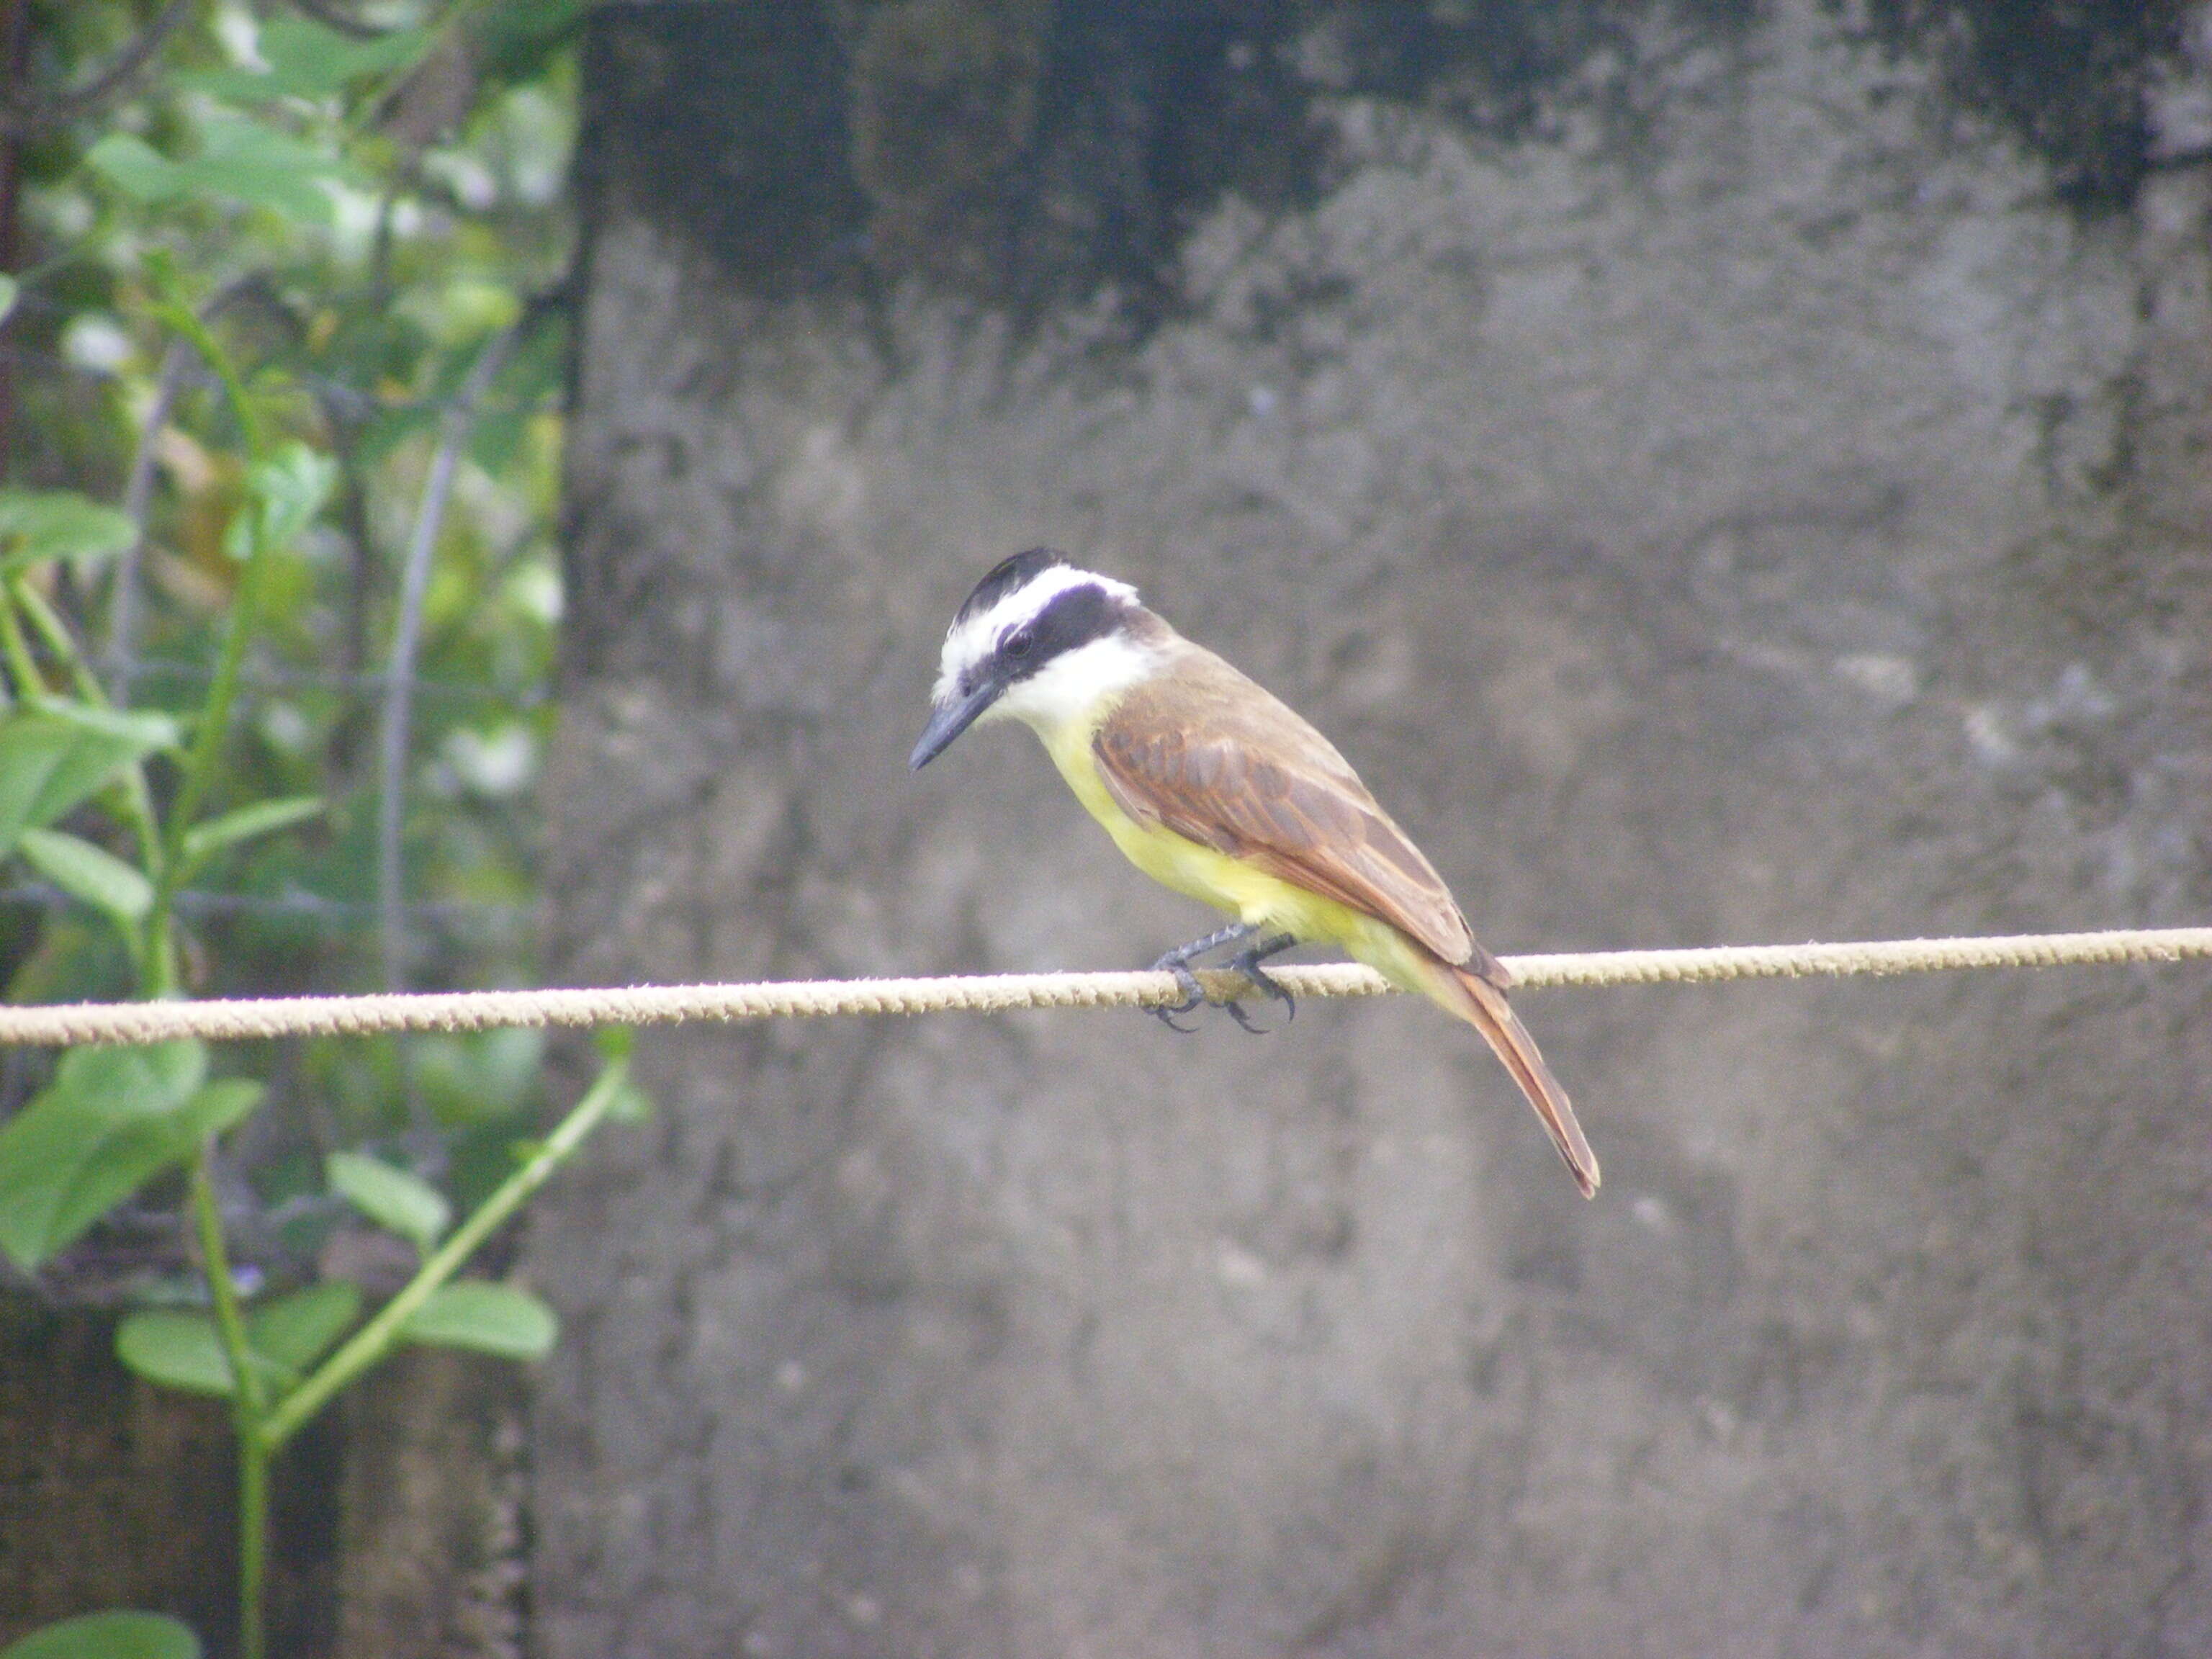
[{"x": 1212, "y": 756}]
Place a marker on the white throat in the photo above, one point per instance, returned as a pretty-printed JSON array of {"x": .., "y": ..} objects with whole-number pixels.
[{"x": 1077, "y": 687}]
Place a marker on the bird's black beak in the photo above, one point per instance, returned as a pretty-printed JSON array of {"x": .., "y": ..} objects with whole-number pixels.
[{"x": 948, "y": 720}]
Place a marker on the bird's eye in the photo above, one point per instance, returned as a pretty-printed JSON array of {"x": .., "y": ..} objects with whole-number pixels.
[{"x": 1017, "y": 645}]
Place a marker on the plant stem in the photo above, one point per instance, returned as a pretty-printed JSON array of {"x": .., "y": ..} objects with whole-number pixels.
[
  {"x": 222, "y": 691},
  {"x": 47, "y": 622},
  {"x": 30, "y": 685},
  {"x": 206, "y": 753},
  {"x": 195, "y": 329},
  {"x": 215, "y": 1262},
  {"x": 252, "y": 1544},
  {"x": 374, "y": 1339},
  {"x": 249, "y": 1408}
]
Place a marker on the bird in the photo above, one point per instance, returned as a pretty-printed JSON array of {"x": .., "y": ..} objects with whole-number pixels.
[{"x": 1216, "y": 788}]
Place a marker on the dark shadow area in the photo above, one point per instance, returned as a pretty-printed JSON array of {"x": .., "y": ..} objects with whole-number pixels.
[
  {"x": 1025, "y": 155},
  {"x": 2068, "y": 78}
]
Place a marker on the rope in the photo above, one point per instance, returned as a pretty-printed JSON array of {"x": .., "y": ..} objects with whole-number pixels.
[{"x": 666, "y": 1005}]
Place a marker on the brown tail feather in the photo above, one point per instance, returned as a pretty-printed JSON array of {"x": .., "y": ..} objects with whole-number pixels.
[{"x": 1484, "y": 1007}]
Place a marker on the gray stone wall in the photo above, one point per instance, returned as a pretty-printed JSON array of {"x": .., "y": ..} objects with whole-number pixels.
[{"x": 1775, "y": 516}]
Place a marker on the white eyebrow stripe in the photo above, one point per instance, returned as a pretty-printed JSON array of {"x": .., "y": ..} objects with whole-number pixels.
[
  {"x": 969, "y": 642},
  {"x": 1029, "y": 600}
]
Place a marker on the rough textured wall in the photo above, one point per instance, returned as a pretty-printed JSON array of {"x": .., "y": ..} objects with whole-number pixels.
[
  {"x": 397, "y": 1517},
  {"x": 1738, "y": 501},
  {"x": 432, "y": 1559},
  {"x": 116, "y": 1493}
]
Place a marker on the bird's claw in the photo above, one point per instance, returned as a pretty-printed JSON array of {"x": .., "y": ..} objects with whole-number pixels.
[
  {"x": 1246, "y": 963},
  {"x": 1251, "y": 1027},
  {"x": 1177, "y": 962},
  {"x": 1193, "y": 996}
]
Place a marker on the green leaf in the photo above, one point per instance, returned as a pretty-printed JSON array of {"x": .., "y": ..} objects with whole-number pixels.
[
  {"x": 139, "y": 727},
  {"x": 239, "y": 158},
  {"x": 185, "y": 1350},
  {"x": 90, "y": 873},
  {"x": 9, "y": 290},
  {"x": 395, "y": 1199},
  {"x": 37, "y": 525},
  {"x": 306, "y": 59},
  {"x": 264, "y": 817},
  {"x": 115, "y": 1634},
  {"x": 292, "y": 485},
  {"x": 111, "y": 1121},
  {"x": 265, "y": 167},
  {"x": 181, "y": 1349},
  {"x": 295, "y": 1330},
  {"x": 496, "y": 1319},
  {"x": 288, "y": 490},
  {"x": 134, "y": 167},
  {"x": 214, "y": 1107},
  {"x": 55, "y": 758},
  {"x": 483, "y": 1075},
  {"x": 175, "y": 1349},
  {"x": 311, "y": 57}
]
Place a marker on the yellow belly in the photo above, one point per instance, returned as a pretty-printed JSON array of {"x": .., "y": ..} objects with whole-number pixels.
[{"x": 1251, "y": 895}]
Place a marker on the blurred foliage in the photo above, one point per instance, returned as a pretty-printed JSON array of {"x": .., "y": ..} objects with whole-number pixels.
[
  {"x": 261, "y": 278},
  {"x": 281, "y": 352}
]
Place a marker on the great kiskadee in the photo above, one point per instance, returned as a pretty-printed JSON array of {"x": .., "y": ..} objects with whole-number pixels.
[{"x": 1214, "y": 788}]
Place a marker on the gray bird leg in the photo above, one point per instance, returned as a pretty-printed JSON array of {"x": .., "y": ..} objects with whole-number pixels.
[
  {"x": 1246, "y": 963},
  {"x": 1177, "y": 962}
]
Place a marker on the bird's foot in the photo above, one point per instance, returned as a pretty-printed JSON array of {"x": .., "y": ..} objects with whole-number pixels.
[
  {"x": 1177, "y": 962},
  {"x": 1246, "y": 963},
  {"x": 1193, "y": 996}
]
